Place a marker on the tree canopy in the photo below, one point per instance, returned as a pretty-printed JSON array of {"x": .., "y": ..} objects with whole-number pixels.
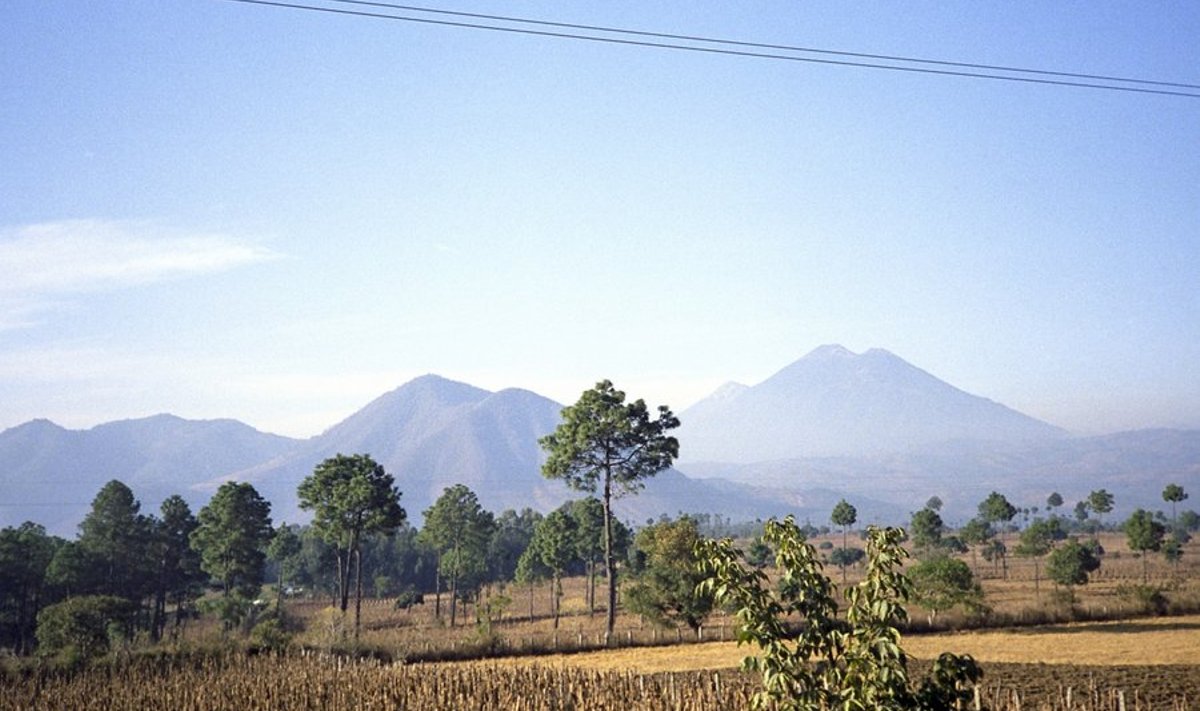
[
  {"x": 604, "y": 443},
  {"x": 232, "y": 535},
  {"x": 350, "y": 497}
]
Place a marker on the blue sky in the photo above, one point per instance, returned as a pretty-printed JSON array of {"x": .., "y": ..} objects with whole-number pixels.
[{"x": 223, "y": 210}]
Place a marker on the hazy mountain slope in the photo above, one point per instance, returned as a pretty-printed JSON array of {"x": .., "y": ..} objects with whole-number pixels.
[
  {"x": 50, "y": 474},
  {"x": 433, "y": 433},
  {"x": 1134, "y": 466},
  {"x": 833, "y": 402}
]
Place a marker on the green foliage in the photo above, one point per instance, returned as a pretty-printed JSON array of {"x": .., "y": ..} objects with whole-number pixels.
[
  {"x": 846, "y": 557},
  {"x": 1038, "y": 538},
  {"x": 25, "y": 556},
  {"x": 934, "y": 503},
  {"x": 554, "y": 546},
  {"x": 665, "y": 590},
  {"x": 1054, "y": 500},
  {"x": 233, "y": 531},
  {"x": 1144, "y": 534},
  {"x": 856, "y": 664},
  {"x": 1071, "y": 563},
  {"x": 1150, "y": 599},
  {"x": 607, "y": 445},
  {"x": 996, "y": 508},
  {"x": 1174, "y": 493},
  {"x": 1101, "y": 502},
  {"x": 943, "y": 583},
  {"x": 115, "y": 539},
  {"x": 459, "y": 529},
  {"x": 926, "y": 531},
  {"x": 180, "y": 577},
  {"x": 82, "y": 628},
  {"x": 408, "y": 597},
  {"x": 510, "y": 538},
  {"x": 844, "y": 514},
  {"x": 270, "y": 634},
  {"x": 759, "y": 554},
  {"x": 350, "y": 497}
]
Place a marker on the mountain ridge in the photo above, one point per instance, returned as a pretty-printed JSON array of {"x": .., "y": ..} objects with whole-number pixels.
[{"x": 835, "y": 402}]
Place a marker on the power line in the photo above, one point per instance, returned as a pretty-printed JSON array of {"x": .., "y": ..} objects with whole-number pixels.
[
  {"x": 760, "y": 45},
  {"x": 752, "y": 54}
]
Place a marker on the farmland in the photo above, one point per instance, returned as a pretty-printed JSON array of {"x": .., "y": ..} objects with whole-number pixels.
[{"x": 691, "y": 677}]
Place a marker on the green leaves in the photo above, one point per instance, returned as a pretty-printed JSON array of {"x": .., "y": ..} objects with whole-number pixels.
[
  {"x": 826, "y": 663},
  {"x": 604, "y": 440},
  {"x": 351, "y": 496},
  {"x": 234, "y": 530}
]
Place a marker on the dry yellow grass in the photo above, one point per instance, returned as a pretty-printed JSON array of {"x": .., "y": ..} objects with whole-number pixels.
[{"x": 1160, "y": 641}]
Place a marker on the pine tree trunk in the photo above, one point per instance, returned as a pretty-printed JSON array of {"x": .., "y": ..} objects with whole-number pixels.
[
  {"x": 357, "y": 592},
  {"x": 610, "y": 616}
]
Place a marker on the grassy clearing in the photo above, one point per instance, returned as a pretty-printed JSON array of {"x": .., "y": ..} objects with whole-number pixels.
[{"x": 1160, "y": 641}]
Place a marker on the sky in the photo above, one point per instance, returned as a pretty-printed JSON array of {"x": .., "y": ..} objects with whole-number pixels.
[{"x": 220, "y": 209}]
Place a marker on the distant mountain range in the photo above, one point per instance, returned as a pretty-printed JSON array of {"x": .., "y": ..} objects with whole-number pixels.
[
  {"x": 833, "y": 402},
  {"x": 870, "y": 427}
]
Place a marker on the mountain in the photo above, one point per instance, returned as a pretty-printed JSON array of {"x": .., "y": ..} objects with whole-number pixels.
[
  {"x": 1134, "y": 466},
  {"x": 49, "y": 474},
  {"x": 432, "y": 433},
  {"x": 833, "y": 402}
]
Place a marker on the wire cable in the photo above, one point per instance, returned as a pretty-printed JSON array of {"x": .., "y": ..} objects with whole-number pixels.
[
  {"x": 715, "y": 50},
  {"x": 760, "y": 45}
]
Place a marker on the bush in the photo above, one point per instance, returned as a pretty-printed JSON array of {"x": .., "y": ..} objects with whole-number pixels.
[
  {"x": 1149, "y": 599},
  {"x": 80, "y": 629},
  {"x": 862, "y": 665},
  {"x": 270, "y": 634}
]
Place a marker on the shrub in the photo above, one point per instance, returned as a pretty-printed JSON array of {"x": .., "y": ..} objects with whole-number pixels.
[
  {"x": 80, "y": 629},
  {"x": 861, "y": 663},
  {"x": 1149, "y": 599}
]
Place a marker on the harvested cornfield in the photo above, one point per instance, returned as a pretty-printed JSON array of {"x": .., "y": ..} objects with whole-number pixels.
[{"x": 262, "y": 683}]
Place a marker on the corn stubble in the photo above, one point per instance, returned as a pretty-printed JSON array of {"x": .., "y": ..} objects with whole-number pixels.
[{"x": 261, "y": 683}]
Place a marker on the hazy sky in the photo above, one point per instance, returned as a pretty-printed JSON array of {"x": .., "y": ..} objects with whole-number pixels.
[{"x": 218, "y": 209}]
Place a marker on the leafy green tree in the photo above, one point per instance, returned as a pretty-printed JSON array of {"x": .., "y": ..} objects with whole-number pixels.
[
  {"x": 589, "y": 540},
  {"x": 80, "y": 628},
  {"x": 232, "y": 535},
  {"x": 859, "y": 663},
  {"x": 351, "y": 497},
  {"x": 846, "y": 557},
  {"x": 531, "y": 571},
  {"x": 844, "y": 515},
  {"x": 665, "y": 590},
  {"x": 1071, "y": 563},
  {"x": 554, "y": 544},
  {"x": 1054, "y": 500},
  {"x": 1082, "y": 511},
  {"x": 1174, "y": 494},
  {"x": 1145, "y": 535},
  {"x": 1101, "y": 502},
  {"x": 996, "y": 509},
  {"x": 934, "y": 503},
  {"x": 1036, "y": 541},
  {"x": 975, "y": 534},
  {"x": 459, "y": 529},
  {"x": 116, "y": 540},
  {"x": 179, "y": 574},
  {"x": 942, "y": 583},
  {"x": 606, "y": 444},
  {"x": 926, "y": 530},
  {"x": 284, "y": 551},
  {"x": 25, "y": 555},
  {"x": 510, "y": 540},
  {"x": 759, "y": 554}
]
